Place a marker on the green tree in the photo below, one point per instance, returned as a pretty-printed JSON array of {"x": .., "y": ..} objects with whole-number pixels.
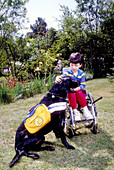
[
  {"x": 70, "y": 33},
  {"x": 45, "y": 37},
  {"x": 51, "y": 36},
  {"x": 107, "y": 45},
  {"x": 12, "y": 13},
  {"x": 94, "y": 12},
  {"x": 39, "y": 28},
  {"x": 97, "y": 48}
]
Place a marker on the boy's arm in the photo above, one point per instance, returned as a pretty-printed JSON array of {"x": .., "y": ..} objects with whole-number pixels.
[
  {"x": 58, "y": 78},
  {"x": 82, "y": 84},
  {"x": 75, "y": 89}
]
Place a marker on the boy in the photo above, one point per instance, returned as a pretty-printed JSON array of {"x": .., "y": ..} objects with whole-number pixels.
[{"x": 77, "y": 94}]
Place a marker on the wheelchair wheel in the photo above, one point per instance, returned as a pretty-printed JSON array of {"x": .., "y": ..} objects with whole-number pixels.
[
  {"x": 67, "y": 124},
  {"x": 69, "y": 129},
  {"x": 94, "y": 130},
  {"x": 71, "y": 133},
  {"x": 92, "y": 107}
]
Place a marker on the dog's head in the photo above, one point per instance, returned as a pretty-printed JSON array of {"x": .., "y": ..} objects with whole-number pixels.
[{"x": 63, "y": 88}]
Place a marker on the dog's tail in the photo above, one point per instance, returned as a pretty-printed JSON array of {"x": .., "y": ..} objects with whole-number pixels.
[{"x": 14, "y": 160}]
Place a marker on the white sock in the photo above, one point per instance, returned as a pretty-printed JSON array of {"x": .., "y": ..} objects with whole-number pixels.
[
  {"x": 87, "y": 113},
  {"x": 85, "y": 108},
  {"x": 76, "y": 114}
]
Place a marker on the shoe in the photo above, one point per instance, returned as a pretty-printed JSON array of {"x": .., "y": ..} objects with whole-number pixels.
[
  {"x": 76, "y": 115},
  {"x": 86, "y": 113}
]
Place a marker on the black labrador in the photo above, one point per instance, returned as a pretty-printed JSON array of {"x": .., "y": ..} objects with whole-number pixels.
[{"x": 25, "y": 141}]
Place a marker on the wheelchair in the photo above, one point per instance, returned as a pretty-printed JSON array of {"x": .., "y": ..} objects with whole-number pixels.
[{"x": 70, "y": 125}]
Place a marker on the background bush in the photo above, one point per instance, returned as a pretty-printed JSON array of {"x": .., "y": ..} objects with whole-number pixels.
[{"x": 11, "y": 89}]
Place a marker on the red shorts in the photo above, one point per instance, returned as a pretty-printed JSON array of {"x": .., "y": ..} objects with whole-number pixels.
[{"x": 79, "y": 96}]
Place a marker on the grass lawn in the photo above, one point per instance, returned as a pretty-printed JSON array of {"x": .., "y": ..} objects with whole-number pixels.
[{"x": 92, "y": 151}]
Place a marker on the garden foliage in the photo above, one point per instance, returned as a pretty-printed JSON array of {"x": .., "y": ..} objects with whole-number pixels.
[{"x": 11, "y": 89}]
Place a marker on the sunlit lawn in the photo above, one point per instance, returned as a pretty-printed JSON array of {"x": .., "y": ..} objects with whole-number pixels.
[{"x": 92, "y": 151}]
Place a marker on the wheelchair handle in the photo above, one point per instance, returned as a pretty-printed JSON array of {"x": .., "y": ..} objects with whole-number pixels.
[{"x": 97, "y": 99}]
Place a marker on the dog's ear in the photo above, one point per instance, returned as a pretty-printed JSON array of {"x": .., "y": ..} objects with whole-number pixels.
[
  {"x": 65, "y": 86},
  {"x": 60, "y": 89},
  {"x": 68, "y": 83},
  {"x": 55, "y": 88}
]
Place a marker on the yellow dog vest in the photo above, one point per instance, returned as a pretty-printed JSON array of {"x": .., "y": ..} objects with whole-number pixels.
[{"x": 37, "y": 118}]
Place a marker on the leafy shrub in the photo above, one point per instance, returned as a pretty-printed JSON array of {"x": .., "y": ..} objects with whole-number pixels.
[
  {"x": 88, "y": 75},
  {"x": 11, "y": 89},
  {"x": 5, "y": 95}
]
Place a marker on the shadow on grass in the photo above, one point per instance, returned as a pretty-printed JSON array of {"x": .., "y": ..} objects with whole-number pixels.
[{"x": 92, "y": 151}]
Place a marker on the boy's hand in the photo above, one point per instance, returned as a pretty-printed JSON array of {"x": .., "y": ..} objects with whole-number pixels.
[
  {"x": 75, "y": 89},
  {"x": 58, "y": 79}
]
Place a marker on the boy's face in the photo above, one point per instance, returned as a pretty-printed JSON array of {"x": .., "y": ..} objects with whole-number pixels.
[{"x": 74, "y": 67}]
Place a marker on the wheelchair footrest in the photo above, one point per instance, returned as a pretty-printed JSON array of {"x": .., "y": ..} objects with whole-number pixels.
[{"x": 83, "y": 121}]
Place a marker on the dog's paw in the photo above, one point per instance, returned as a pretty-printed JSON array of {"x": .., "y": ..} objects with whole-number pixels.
[
  {"x": 32, "y": 155},
  {"x": 50, "y": 148},
  {"x": 35, "y": 156},
  {"x": 71, "y": 147}
]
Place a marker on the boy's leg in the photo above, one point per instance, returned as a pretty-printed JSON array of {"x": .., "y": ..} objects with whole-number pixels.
[
  {"x": 81, "y": 98},
  {"x": 73, "y": 104},
  {"x": 72, "y": 100}
]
